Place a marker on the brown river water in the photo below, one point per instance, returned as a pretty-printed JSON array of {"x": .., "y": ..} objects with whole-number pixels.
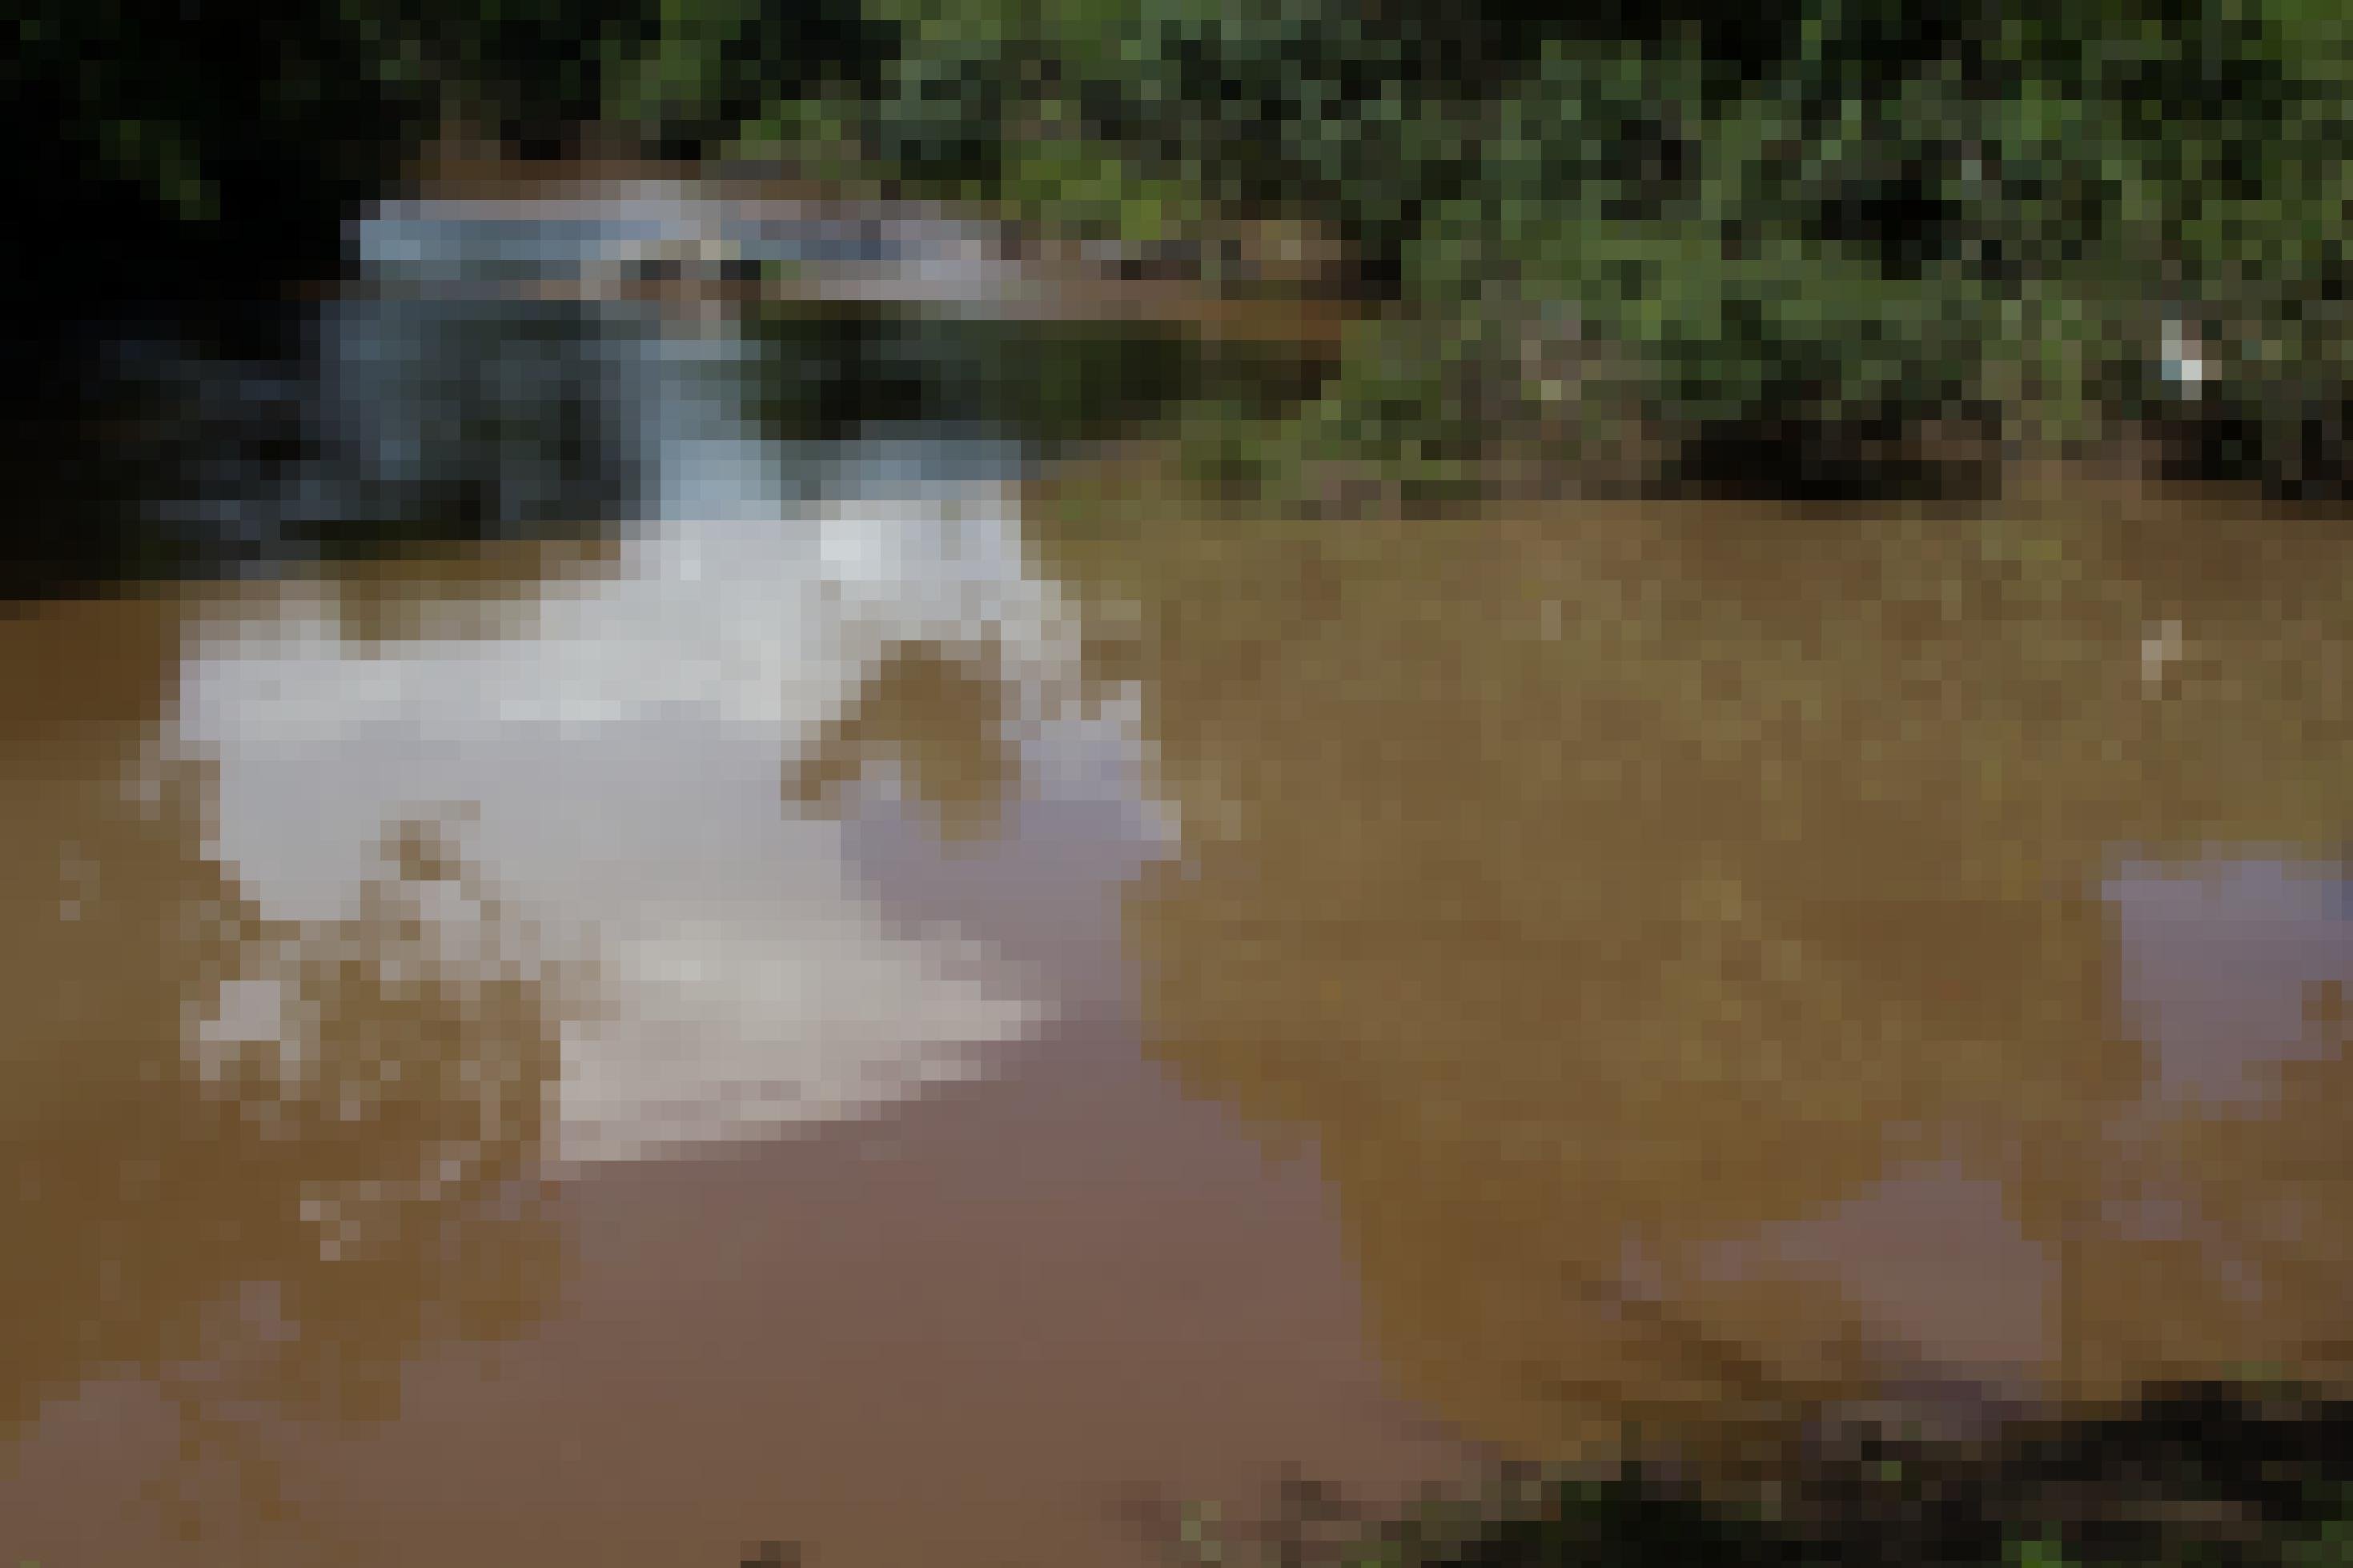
[{"x": 916, "y": 1011}]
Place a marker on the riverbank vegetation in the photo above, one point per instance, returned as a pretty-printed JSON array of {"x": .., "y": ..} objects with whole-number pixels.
[
  {"x": 1841, "y": 244},
  {"x": 2207, "y": 1473}
]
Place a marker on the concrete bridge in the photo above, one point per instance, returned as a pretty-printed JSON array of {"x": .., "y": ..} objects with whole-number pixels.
[
  {"x": 672, "y": 236},
  {"x": 675, "y": 243}
]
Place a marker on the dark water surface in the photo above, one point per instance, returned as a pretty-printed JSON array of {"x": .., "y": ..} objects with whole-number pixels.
[{"x": 637, "y": 942}]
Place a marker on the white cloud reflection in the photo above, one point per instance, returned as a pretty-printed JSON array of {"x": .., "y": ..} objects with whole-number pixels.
[{"x": 620, "y": 761}]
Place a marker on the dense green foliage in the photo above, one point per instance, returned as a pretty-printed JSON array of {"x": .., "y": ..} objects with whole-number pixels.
[{"x": 1816, "y": 232}]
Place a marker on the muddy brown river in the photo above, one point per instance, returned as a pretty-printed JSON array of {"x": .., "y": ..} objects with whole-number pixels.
[{"x": 896, "y": 998}]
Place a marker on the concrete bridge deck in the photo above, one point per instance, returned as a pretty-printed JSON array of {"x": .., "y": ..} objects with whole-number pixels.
[{"x": 681, "y": 243}]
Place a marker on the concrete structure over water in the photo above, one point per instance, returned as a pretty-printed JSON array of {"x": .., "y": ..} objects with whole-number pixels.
[{"x": 681, "y": 242}]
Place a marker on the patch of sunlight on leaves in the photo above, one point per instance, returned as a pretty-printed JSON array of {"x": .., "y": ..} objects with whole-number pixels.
[{"x": 2041, "y": 1553}]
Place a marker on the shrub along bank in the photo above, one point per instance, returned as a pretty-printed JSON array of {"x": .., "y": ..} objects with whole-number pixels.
[
  {"x": 2211, "y": 1474},
  {"x": 1810, "y": 245}
]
